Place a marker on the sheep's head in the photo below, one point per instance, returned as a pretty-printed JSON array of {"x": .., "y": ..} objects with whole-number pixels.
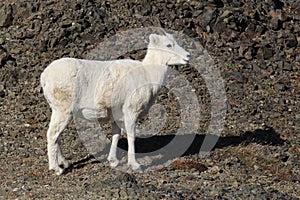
[{"x": 167, "y": 49}]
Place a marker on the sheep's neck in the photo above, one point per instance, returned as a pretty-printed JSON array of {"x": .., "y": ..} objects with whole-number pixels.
[
  {"x": 153, "y": 57},
  {"x": 155, "y": 66}
]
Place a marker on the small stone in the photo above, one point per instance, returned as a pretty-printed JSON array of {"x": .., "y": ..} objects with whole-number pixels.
[
  {"x": 255, "y": 87},
  {"x": 298, "y": 39},
  {"x": 280, "y": 87},
  {"x": 235, "y": 76},
  {"x": 174, "y": 176},
  {"x": 241, "y": 50},
  {"x": 197, "y": 13},
  {"x": 66, "y": 23},
  {"x": 248, "y": 55},
  {"x": 235, "y": 184},
  {"x": 226, "y": 13},
  {"x": 2, "y": 41},
  {"x": 214, "y": 169},
  {"x": 287, "y": 66},
  {"x": 123, "y": 193},
  {"x": 250, "y": 30}
]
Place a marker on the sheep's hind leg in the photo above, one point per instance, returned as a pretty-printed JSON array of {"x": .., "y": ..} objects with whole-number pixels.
[
  {"x": 61, "y": 159},
  {"x": 57, "y": 124},
  {"x": 112, "y": 156},
  {"x": 130, "y": 129}
]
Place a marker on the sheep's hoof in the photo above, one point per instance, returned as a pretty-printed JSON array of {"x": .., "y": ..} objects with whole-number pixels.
[
  {"x": 114, "y": 163},
  {"x": 59, "y": 171},
  {"x": 135, "y": 166},
  {"x": 65, "y": 164}
]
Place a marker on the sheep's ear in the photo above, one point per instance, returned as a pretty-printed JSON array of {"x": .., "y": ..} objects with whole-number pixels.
[{"x": 154, "y": 39}]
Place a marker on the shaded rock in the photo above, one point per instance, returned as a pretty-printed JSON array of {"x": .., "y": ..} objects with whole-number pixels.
[
  {"x": 6, "y": 17},
  {"x": 278, "y": 4}
]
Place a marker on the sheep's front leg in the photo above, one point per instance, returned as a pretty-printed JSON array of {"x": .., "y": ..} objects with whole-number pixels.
[
  {"x": 57, "y": 124},
  {"x": 112, "y": 157},
  {"x": 130, "y": 129}
]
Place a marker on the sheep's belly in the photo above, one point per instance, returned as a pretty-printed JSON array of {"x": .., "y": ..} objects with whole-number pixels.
[{"x": 93, "y": 114}]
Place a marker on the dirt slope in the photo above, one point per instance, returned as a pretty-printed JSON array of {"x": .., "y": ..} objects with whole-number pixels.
[{"x": 255, "y": 45}]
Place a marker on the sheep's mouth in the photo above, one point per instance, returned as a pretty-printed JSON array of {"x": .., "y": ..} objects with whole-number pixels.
[{"x": 186, "y": 60}]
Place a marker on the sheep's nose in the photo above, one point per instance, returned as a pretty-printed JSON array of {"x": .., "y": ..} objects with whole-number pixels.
[{"x": 188, "y": 55}]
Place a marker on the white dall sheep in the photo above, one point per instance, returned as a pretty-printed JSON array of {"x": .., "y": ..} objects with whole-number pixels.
[{"x": 99, "y": 88}]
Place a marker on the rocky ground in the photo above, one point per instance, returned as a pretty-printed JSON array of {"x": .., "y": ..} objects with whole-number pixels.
[{"x": 255, "y": 45}]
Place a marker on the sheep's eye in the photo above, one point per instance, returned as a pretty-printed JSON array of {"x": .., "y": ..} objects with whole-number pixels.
[{"x": 169, "y": 45}]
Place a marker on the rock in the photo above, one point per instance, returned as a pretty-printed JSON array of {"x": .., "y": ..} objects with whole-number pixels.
[
  {"x": 291, "y": 42},
  {"x": 248, "y": 55},
  {"x": 6, "y": 17},
  {"x": 2, "y": 41},
  {"x": 226, "y": 13},
  {"x": 208, "y": 17},
  {"x": 235, "y": 76},
  {"x": 277, "y": 18},
  {"x": 280, "y": 87},
  {"x": 4, "y": 56},
  {"x": 275, "y": 23},
  {"x": 264, "y": 53},
  {"x": 242, "y": 50},
  {"x": 127, "y": 178},
  {"x": 287, "y": 66},
  {"x": 2, "y": 92},
  {"x": 183, "y": 163},
  {"x": 66, "y": 23},
  {"x": 197, "y": 13},
  {"x": 251, "y": 29}
]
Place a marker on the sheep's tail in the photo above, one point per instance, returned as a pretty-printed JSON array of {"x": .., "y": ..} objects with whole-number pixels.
[
  {"x": 45, "y": 88},
  {"x": 42, "y": 81}
]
